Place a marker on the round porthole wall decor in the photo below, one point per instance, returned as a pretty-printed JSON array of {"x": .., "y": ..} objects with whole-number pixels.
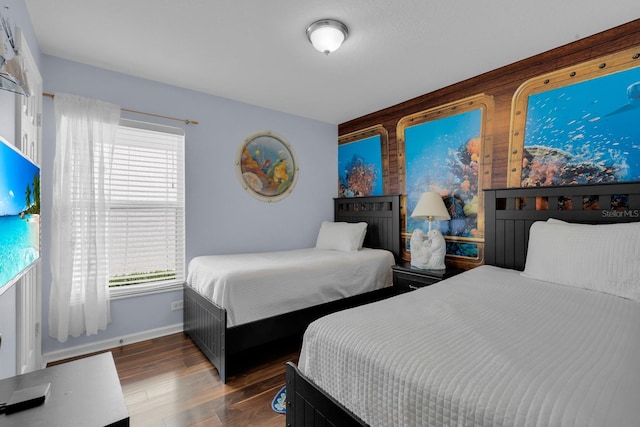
[{"x": 266, "y": 166}]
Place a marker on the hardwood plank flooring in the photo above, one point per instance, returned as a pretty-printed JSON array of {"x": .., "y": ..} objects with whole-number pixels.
[{"x": 168, "y": 382}]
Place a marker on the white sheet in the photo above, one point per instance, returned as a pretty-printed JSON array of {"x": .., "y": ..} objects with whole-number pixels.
[
  {"x": 260, "y": 285},
  {"x": 485, "y": 348}
]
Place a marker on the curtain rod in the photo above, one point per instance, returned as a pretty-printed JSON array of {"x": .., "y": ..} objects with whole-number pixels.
[{"x": 185, "y": 121}]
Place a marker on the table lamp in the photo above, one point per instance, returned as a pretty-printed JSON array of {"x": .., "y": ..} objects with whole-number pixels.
[{"x": 429, "y": 252}]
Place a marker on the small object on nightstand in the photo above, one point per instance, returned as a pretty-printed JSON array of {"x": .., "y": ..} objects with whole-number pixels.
[
  {"x": 428, "y": 251},
  {"x": 408, "y": 278},
  {"x": 26, "y": 398}
]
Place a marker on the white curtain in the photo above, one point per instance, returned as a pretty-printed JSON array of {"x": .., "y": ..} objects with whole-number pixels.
[{"x": 79, "y": 299}]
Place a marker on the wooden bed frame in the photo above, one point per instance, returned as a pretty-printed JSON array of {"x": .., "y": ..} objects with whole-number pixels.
[
  {"x": 206, "y": 323},
  {"x": 509, "y": 214}
]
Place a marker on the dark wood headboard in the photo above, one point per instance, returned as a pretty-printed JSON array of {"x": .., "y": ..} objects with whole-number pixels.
[
  {"x": 510, "y": 212},
  {"x": 381, "y": 213}
]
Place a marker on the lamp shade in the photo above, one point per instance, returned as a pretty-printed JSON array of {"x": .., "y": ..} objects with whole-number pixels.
[
  {"x": 431, "y": 207},
  {"x": 327, "y": 35}
]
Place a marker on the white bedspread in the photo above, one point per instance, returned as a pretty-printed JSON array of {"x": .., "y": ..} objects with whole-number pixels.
[
  {"x": 484, "y": 348},
  {"x": 260, "y": 285}
]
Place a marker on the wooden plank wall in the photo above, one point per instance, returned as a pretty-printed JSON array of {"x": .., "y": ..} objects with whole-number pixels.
[{"x": 501, "y": 84}]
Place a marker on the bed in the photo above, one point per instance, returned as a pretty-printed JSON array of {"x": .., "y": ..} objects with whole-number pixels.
[
  {"x": 226, "y": 325},
  {"x": 546, "y": 333}
]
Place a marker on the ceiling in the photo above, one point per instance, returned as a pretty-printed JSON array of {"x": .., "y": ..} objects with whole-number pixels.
[{"x": 256, "y": 51}]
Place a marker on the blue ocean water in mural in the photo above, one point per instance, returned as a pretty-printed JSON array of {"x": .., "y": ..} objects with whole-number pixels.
[
  {"x": 588, "y": 132},
  {"x": 19, "y": 243},
  {"x": 443, "y": 156},
  {"x": 360, "y": 168}
]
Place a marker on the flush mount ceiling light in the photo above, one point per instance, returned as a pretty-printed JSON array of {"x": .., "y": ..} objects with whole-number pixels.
[{"x": 326, "y": 35}]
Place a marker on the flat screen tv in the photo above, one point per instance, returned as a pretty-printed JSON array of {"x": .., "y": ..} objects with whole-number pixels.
[{"x": 19, "y": 214}]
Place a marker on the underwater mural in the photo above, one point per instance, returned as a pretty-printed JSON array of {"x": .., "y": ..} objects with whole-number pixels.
[
  {"x": 360, "y": 168},
  {"x": 448, "y": 150},
  {"x": 444, "y": 156},
  {"x": 266, "y": 166},
  {"x": 580, "y": 130}
]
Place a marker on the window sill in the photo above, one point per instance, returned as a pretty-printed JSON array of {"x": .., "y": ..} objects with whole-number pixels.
[{"x": 121, "y": 292}]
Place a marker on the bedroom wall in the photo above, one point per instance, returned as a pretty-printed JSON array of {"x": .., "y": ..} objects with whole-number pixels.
[
  {"x": 501, "y": 84},
  {"x": 16, "y": 12},
  {"x": 221, "y": 217}
]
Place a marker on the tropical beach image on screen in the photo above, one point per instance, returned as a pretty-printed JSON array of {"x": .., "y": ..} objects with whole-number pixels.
[
  {"x": 584, "y": 133},
  {"x": 267, "y": 166},
  {"x": 443, "y": 156},
  {"x": 19, "y": 214},
  {"x": 360, "y": 168}
]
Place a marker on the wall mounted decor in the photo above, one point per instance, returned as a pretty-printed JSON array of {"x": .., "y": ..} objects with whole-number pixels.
[
  {"x": 363, "y": 163},
  {"x": 266, "y": 166},
  {"x": 13, "y": 76},
  {"x": 447, "y": 150},
  {"x": 578, "y": 125}
]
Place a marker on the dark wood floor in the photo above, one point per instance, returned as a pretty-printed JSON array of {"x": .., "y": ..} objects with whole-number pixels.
[{"x": 168, "y": 382}]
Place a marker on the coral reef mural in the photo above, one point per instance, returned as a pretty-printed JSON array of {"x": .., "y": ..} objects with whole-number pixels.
[
  {"x": 266, "y": 166},
  {"x": 360, "y": 168},
  {"x": 582, "y": 133},
  {"x": 444, "y": 156}
]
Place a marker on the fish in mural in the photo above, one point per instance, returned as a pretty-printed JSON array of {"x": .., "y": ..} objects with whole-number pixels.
[{"x": 633, "y": 93}]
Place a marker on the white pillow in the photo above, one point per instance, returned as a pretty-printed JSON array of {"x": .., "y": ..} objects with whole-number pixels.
[
  {"x": 558, "y": 221},
  {"x": 603, "y": 258},
  {"x": 341, "y": 236}
]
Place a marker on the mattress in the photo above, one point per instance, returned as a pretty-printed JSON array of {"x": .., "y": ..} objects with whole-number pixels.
[
  {"x": 485, "y": 348},
  {"x": 259, "y": 285}
]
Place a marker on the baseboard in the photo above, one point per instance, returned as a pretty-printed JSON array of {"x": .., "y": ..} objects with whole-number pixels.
[{"x": 94, "y": 347}]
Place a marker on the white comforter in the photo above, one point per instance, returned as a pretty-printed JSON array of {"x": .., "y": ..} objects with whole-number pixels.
[
  {"x": 260, "y": 285},
  {"x": 484, "y": 348}
]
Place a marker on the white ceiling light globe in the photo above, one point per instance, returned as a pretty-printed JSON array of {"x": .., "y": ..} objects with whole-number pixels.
[{"x": 327, "y": 35}]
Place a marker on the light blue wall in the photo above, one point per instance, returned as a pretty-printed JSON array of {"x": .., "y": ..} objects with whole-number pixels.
[
  {"x": 221, "y": 216},
  {"x": 16, "y": 12}
]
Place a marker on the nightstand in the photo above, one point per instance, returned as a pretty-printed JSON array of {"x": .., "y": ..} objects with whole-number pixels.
[{"x": 407, "y": 278}]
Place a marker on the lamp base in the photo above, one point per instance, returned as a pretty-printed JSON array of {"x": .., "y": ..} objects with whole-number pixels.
[
  {"x": 428, "y": 267},
  {"x": 428, "y": 252}
]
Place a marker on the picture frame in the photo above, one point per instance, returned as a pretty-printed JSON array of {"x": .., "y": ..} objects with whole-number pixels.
[
  {"x": 266, "y": 166},
  {"x": 363, "y": 162},
  {"x": 448, "y": 149},
  {"x": 578, "y": 125}
]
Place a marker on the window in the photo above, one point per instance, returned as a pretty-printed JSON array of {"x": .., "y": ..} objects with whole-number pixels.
[{"x": 144, "y": 189}]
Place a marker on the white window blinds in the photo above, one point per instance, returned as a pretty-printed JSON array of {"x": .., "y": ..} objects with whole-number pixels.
[{"x": 145, "y": 194}]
